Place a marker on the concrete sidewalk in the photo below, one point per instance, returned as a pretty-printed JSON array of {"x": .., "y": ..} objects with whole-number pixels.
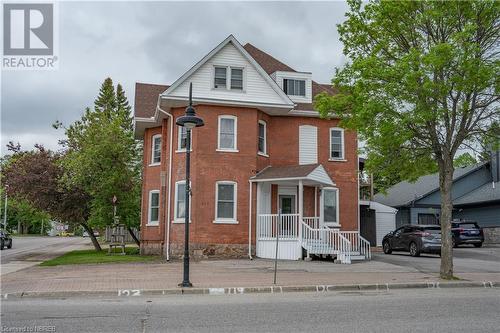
[{"x": 215, "y": 274}]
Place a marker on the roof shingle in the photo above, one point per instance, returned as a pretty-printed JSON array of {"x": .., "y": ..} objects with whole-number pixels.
[{"x": 146, "y": 97}]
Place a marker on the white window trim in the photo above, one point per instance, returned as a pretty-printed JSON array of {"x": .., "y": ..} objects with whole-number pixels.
[
  {"x": 182, "y": 219},
  {"x": 151, "y": 163},
  {"x": 235, "y": 206},
  {"x": 179, "y": 149},
  {"x": 295, "y": 79},
  {"x": 153, "y": 223},
  {"x": 228, "y": 78},
  {"x": 231, "y": 150},
  {"x": 330, "y": 158},
  {"x": 262, "y": 153},
  {"x": 322, "y": 208}
]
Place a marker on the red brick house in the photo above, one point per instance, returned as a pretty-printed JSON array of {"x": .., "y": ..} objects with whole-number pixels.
[{"x": 263, "y": 148}]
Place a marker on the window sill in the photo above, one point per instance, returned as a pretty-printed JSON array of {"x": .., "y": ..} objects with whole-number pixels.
[
  {"x": 154, "y": 224},
  {"x": 227, "y": 150},
  {"x": 183, "y": 151},
  {"x": 337, "y": 160},
  {"x": 242, "y": 91},
  {"x": 262, "y": 154},
  {"x": 225, "y": 222},
  {"x": 180, "y": 221},
  {"x": 332, "y": 225},
  {"x": 154, "y": 164}
]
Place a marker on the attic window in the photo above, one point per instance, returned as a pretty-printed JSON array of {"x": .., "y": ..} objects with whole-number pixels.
[
  {"x": 237, "y": 78},
  {"x": 220, "y": 77},
  {"x": 294, "y": 87}
]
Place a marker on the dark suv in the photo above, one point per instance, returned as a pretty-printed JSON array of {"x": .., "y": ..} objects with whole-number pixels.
[
  {"x": 466, "y": 232},
  {"x": 5, "y": 240},
  {"x": 414, "y": 238}
]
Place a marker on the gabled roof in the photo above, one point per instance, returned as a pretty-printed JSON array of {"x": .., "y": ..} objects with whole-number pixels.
[
  {"x": 486, "y": 193},
  {"x": 314, "y": 173},
  {"x": 404, "y": 193},
  {"x": 146, "y": 97},
  {"x": 271, "y": 65},
  {"x": 231, "y": 39}
]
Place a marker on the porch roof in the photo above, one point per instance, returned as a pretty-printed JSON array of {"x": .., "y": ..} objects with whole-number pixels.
[{"x": 311, "y": 174}]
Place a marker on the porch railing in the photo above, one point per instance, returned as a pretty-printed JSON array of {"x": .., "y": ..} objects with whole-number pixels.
[
  {"x": 311, "y": 236},
  {"x": 313, "y": 222},
  {"x": 288, "y": 226},
  {"x": 358, "y": 243},
  {"x": 326, "y": 241}
]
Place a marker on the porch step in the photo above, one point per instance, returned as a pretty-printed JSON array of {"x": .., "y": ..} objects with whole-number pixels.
[{"x": 357, "y": 257}]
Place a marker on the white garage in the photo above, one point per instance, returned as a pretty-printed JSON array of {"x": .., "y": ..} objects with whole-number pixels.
[{"x": 384, "y": 218}]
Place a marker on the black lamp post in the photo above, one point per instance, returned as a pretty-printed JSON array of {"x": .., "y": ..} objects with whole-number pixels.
[{"x": 190, "y": 120}]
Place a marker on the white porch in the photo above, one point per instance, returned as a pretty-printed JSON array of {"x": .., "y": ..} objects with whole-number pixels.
[{"x": 284, "y": 222}]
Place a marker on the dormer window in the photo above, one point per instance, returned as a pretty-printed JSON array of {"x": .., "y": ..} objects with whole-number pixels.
[
  {"x": 230, "y": 78},
  {"x": 294, "y": 87},
  {"x": 220, "y": 77}
]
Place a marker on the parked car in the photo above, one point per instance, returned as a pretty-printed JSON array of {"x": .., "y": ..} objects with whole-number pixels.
[
  {"x": 5, "y": 240},
  {"x": 86, "y": 234},
  {"x": 415, "y": 239},
  {"x": 466, "y": 232}
]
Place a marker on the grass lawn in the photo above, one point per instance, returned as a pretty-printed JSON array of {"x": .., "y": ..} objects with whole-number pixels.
[{"x": 93, "y": 257}]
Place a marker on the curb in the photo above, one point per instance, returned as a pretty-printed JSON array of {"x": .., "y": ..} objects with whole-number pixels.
[{"x": 381, "y": 287}]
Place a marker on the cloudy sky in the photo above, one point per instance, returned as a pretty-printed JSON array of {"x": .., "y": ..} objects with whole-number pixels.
[{"x": 157, "y": 42}]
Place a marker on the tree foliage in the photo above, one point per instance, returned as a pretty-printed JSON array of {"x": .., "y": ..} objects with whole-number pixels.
[
  {"x": 464, "y": 160},
  {"x": 35, "y": 177},
  {"x": 422, "y": 81},
  {"x": 102, "y": 158}
]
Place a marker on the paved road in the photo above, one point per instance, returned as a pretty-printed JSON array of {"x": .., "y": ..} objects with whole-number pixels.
[
  {"x": 29, "y": 251},
  {"x": 465, "y": 260},
  {"x": 435, "y": 310}
]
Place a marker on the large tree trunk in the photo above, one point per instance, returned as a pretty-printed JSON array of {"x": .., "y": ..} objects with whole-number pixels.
[
  {"x": 89, "y": 230},
  {"x": 131, "y": 232},
  {"x": 445, "y": 185}
]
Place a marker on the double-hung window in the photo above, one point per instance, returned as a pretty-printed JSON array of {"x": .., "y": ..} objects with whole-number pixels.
[
  {"x": 182, "y": 142},
  {"x": 180, "y": 201},
  {"x": 225, "y": 204},
  {"x": 227, "y": 136},
  {"x": 262, "y": 137},
  {"x": 154, "y": 207},
  {"x": 230, "y": 78},
  {"x": 236, "y": 79},
  {"x": 156, "y": 149},
  {"x": 294, "y": 87},
  {"x": 220, "y": 80},
  {"x": 330, "y": 206},
  {"x": 337, "y": 144}
]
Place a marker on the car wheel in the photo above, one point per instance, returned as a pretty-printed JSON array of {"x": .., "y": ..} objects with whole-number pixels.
[
  {"x": 10, "y": 245},
  {"x": 1, "y": 245},
  {"x": 387, "y": 248},
  {"x": 478, "y": 244},
  {"x": 454, "y": 242},
  {"x": 414, "y": 251}
]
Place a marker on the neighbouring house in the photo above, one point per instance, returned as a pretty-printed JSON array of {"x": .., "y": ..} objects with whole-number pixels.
[
  {"x": 475, "y": 194},
  {"x": 263, "y": 149}
]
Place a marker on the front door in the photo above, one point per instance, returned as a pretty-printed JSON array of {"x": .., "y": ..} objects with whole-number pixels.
[{"x": 287, "y": 204}]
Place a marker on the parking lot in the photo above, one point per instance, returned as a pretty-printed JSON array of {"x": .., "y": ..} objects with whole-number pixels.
[{"x": 466, "y": 259}]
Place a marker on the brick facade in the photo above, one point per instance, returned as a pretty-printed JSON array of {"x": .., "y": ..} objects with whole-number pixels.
[{"x": 209, "y": 166}]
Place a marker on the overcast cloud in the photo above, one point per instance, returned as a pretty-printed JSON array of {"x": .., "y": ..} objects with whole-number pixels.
[{"x": 157, "y": 42}]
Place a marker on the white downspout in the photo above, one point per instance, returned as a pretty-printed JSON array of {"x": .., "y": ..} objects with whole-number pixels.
[
  {"x": 250, "y": 222},
  {"x": 167, "y": 232}
]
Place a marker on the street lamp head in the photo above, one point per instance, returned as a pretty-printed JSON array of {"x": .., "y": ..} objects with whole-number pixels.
[{"x": 190, "y": 119}]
